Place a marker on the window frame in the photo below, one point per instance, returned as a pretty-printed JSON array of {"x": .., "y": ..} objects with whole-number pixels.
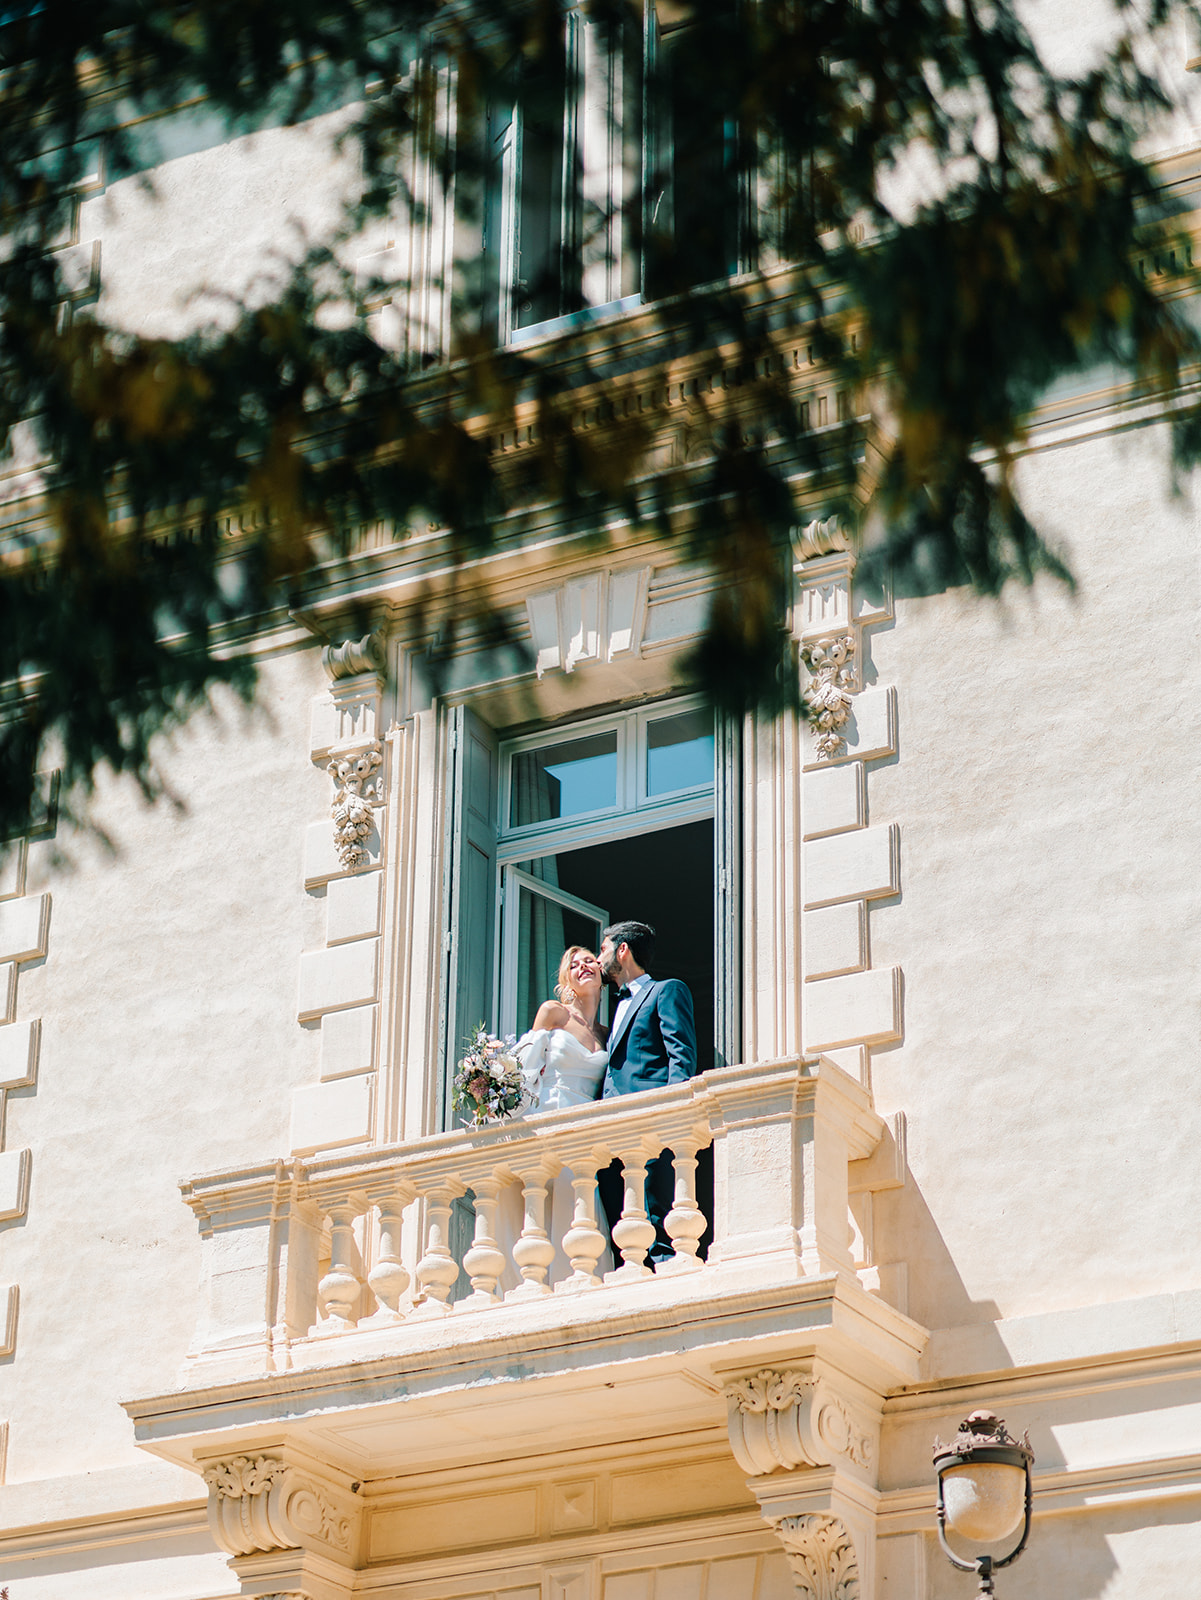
[
  {"x": 625, "y": 258},
  {"x": 648, "y": 814}
]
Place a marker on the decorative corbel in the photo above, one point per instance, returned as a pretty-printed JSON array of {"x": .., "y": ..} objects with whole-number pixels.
[
  {"x": 790, "y": 1419},
  {"x": 355, "y": 657},
  {"x": 261, "y": 1502},
  {"x": 809, "y": 1461}
]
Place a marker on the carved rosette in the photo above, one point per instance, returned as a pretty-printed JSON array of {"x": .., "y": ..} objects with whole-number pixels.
[
  {"x": 829, "y": 691},
  {"x": 260, "y": 1503},
  {"x": 357, "y": 782},
  {"x": 821, "y": 1555},
  {"x": 788, "y": 1419}
]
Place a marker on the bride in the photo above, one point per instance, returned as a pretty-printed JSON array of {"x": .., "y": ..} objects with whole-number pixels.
[
  {"x": 555, "y": 1074},
  {"x": 563, "y": 1059}
]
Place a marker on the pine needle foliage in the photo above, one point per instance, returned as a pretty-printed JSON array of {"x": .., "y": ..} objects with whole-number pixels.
[{"x": 949, "y": 223}]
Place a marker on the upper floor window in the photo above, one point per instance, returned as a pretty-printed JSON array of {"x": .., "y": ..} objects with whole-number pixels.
[{"x": 612, "y": 171}]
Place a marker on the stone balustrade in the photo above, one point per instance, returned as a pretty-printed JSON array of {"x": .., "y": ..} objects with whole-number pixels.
[{"x": 306, "y": 1250}]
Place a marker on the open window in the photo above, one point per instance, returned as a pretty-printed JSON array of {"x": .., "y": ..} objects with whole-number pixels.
[
  {"x": 611, "y": 167},
  {"x": 626, "y": 815}
]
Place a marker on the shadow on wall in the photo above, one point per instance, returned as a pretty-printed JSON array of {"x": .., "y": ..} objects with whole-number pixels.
[
  {"x": 904, "y": 1230},
  {"x": 1125, "y": 1553}
]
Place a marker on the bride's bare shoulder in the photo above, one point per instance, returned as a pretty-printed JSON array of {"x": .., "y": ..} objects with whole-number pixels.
[{"x": 551, "y": 1015}]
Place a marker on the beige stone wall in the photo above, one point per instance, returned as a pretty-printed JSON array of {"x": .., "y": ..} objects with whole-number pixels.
[
  {"x": 1049, "y": 920},
  {"x": 169, "y": 1044}
]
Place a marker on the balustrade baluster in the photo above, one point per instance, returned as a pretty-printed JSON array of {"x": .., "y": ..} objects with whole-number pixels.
[
  {"x": 533, "y": 1251},
  {"x": 339, "y": 1290},
  {"x": 389, "y": 1277},
  {"x": 437, "y": 1271},
  {"x": 583, "y": 1243},
  {"x": 685, "y": 1222},
  {"x": 635, "y": 1233},
  {"x": 485, "y": 1261}
]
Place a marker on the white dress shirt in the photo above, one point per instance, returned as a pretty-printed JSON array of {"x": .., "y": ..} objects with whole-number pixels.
[{"x": 635, "y": 986}]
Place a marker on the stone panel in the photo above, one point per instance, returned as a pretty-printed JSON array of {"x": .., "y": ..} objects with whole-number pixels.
[
  {"x": 325, "y": 1115},
  {"x": 864, "y": 1007},
  {"x": 835, "y": 939},
  {"x": 851, "y": 866},
  {"x": 331, "y": 980},
  {"x": 666, "y": 1491},
  {"x": 321, "y": 859},
  {"x": 348, "y": 1042},
  {"x": 12, "y": 869},
  {"x": 833, "y": 799},
  {"x": 14, "y": 1184},
  {"x": 870, "y": 732},
  {"x": 23, "y": 927},
  {"x": 352, "y": 907},
  {"x": 454, "y": 1524},
  {"x": 19, "y": 1054}
]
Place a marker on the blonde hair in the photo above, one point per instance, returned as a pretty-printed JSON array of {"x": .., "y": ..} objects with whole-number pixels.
[{"x": 563, "y": 987}]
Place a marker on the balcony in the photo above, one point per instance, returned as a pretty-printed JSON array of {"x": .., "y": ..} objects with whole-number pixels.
[{"x": 329, "y": 1343}]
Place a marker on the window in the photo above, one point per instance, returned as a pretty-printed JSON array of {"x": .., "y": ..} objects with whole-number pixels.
[
  {"x": 560, "y": 832},
  {"x": 611, "y": 168}
]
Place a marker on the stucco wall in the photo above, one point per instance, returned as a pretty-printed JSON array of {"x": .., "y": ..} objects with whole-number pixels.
[
  {"x": 169, "y": 1047},
  {"x": 1049, "y": 921}
]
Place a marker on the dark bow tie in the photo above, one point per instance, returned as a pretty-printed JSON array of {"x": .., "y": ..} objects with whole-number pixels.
[{"x": 624, "y": 993}]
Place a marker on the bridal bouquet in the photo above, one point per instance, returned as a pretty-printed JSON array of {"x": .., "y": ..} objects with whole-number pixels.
[{"x": 487, "y": 1083}]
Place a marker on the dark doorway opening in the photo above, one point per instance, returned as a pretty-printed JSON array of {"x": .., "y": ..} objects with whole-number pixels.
[{"x": 664, "y": 878}]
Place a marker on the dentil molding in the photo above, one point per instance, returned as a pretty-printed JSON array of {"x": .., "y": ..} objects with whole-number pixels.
[{"x": 261, "y": 1502}]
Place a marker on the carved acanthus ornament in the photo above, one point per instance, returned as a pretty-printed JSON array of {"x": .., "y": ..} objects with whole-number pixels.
[
  {"x": 829, "y": 692},
  {"x": 261, "y": 1503},
  {"x": 356, "y": 785},
  {"x": 789, "y": 1419},
  {"x": 821, "y": 1555}
]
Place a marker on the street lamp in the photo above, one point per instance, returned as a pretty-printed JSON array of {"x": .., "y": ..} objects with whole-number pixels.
[{"x": 984, "y": 1491}]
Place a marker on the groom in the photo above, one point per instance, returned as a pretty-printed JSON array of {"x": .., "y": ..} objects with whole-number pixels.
[{"x": 652, "y": 1042}]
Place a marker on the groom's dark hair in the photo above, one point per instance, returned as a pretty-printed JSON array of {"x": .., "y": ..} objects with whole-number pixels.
[{"x": 640, "y": 937}]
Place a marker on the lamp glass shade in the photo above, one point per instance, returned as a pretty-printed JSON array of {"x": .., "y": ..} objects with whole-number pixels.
[{"x": 985, "y": 1500}]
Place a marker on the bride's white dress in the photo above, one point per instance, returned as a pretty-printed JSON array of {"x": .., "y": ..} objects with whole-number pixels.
[{"x": 557, "y": 1071}]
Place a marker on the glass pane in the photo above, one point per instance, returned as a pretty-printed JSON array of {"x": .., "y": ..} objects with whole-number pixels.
[
  {"x": 565, "y": 780},
  {"x": 544, "y": 931},
  {"x": 679, "y": 752}
]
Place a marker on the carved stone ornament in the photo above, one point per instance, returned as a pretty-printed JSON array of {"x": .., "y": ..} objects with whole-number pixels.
[
  {"x": 354, "y": 656},
  {"x": 788, "y": 1419},
  {"x": 244, "y": 1475},
  {"x": 260, "y": 1503},
  {"x": 355, "y": 787},
  {"x": 768, "y": 1391},
  {"x": 822, "y": 1557},
  {"x": 828, "y": 695},
  {"x": 820, "y": 538}
]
